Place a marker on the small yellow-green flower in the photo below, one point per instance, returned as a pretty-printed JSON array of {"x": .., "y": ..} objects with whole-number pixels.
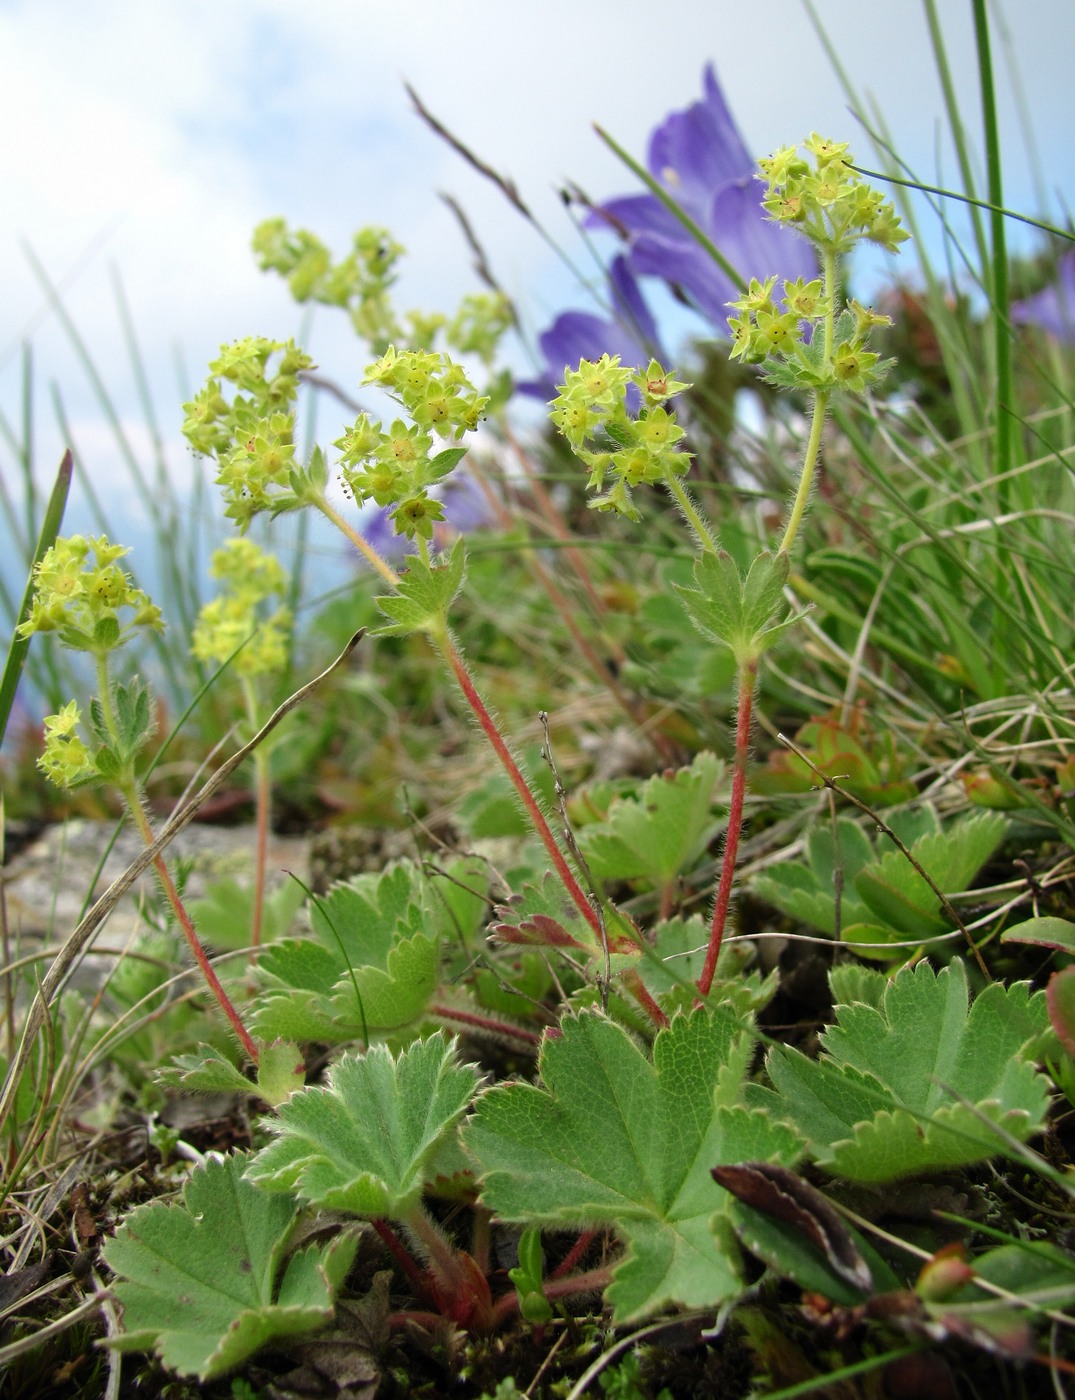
[{"x": 66, "y": 761}]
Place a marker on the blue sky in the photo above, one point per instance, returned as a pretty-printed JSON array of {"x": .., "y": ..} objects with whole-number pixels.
[{"x": 151, "y": 138}]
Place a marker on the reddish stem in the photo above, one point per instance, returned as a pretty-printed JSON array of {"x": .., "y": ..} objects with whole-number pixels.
[
  {"x": 201, "y": 958},
  {"x": 638, "y": 990},
  {"x": 501, "y": 1029},
  {"x": 592, "y": 1281},
  {"x": 748, "y": 679},
  {"x": 574, "y": 1254},
  {"x": 419, "y": 1279},
  {"x": 537, "y": 817}
]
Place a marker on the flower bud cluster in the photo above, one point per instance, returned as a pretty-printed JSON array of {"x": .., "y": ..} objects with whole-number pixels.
[
  {"x": 252, "y": 435},
  {"x": 633, "y": 448},
  {"x": 249, "y": 577},
  {"x": 828, "y": 201},
  {"x": 396, "y": 467},
  {"x": 79, "y": 592},
  {"x": 361, "y": 285}
]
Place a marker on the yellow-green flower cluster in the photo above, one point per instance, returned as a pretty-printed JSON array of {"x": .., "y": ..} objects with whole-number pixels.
[
  {"x": 827, "y": 200},
  {"x": 66, "y": 761},
  {"x": 248, "y": 577},
  {"x": 397, "y": 467},
  {"x": 361, "y": 285},
  {"x": 79, "y": 593},
  {"x": 252, "y": 435},
  {"x": 592, "y": 413},
  {"x": 800, "y": 337}
]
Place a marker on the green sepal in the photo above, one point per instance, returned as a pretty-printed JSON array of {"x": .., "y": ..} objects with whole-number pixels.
[{"x": 445, "y": 462}]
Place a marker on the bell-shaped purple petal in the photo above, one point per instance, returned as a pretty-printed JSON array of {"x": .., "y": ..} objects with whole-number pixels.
[
  {"x": 696, "y": 152},
  {"x": 700, "y": 158},
  {"x": 1053, "y": 308},
  {"x": 581, "y": 335}
]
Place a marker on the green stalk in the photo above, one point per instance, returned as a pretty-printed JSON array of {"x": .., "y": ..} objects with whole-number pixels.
[
  {"x": 691, "y": 513},
  {"x": 1005, "y": 404}
]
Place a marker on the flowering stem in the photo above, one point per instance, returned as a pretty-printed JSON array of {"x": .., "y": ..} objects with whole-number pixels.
[
  {"x": 128, "y": 788},
  {"x": 447, "y": 648},
  {"x": 363, "y": 546},
  {"x": 748, "y": 680},
  {"x": 821, "y": 404},
  {"x": 691, "y": 513},
  {"x": 806, "y": 479},
  {"x": 634, "y": 984},
  {"x": 137, "y": 810}
]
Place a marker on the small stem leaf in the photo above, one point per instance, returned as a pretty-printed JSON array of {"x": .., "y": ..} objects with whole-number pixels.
[
  {"x": 362, "y": 1142},
  {"x": 736, "y": 611},
  {"x": 884, "y": 1100},
  {"x": 423, "y": 596},
  {"x": 198, "y": 1278},
  {"x": 616, "y": 1140}
]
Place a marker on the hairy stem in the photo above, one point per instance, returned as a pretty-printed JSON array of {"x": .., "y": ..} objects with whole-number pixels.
[
  {"x": 137, "y": 809},
  {"x": 748, "y": 680},
  {"x": 489, "y": 728},
  {"x": 691, "y": 513}
]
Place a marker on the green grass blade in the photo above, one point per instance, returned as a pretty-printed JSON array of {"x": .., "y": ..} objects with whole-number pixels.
[
  {"x": 1005, "y": 404},
  {"x": 677, "y": 212},
  {"x": 50, "y": 528}
]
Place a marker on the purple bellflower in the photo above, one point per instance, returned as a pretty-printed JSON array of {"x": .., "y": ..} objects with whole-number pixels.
[
  {"x": 580, "y": 335},
  {"x": 700, "y": 158},
  {"x": 1053, "y": 308}
]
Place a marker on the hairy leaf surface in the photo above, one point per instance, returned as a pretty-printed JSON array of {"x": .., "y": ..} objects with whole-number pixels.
[
  {"x": 885, "y": 1100},
  {"x": 615, "y": 1139},
  {"x": 362, "y": 1143},
  {"x": 198, "y": 1278}
]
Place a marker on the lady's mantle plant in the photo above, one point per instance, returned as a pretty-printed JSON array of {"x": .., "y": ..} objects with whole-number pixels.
[
  {"x": 624, "y": 1127},
  {"x": 800, "y": 339}
]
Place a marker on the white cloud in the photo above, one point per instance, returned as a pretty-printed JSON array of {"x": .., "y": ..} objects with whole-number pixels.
[{"x": 154, "y": 137}]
